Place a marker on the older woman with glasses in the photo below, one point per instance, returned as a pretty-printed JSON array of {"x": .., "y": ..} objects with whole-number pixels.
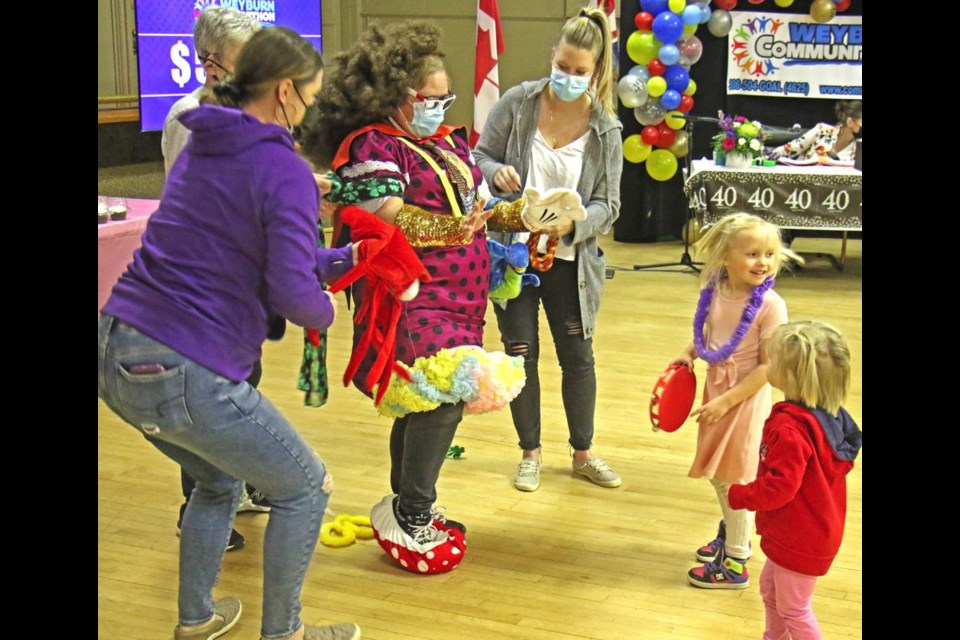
[
  {"x": 381, "y": 130},
  {"x": 218, "y": 35}
]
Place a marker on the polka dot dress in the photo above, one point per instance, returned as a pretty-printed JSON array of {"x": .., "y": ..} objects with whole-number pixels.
[{"x": 448, "y": 311}]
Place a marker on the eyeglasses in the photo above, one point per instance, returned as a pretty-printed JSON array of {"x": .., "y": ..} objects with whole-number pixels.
[
  {"x": 209, "y": 58},
  {"x": 430, "y": 104}
]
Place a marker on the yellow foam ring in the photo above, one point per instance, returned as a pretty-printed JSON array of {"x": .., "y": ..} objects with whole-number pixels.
[{"x": 345, "y": 530}]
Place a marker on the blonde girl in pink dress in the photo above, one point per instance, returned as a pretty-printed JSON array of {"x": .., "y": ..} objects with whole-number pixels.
[{"x": 737, "y": 312}]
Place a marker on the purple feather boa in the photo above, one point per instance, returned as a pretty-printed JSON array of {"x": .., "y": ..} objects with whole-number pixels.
[{"x": 749, "y": 313}]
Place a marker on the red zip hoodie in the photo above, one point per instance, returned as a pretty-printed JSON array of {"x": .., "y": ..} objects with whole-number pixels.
[{"x": 800, "y": 494}]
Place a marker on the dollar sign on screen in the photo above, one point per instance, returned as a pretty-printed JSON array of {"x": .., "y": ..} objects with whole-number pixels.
[{"x": 178, "y": 56}]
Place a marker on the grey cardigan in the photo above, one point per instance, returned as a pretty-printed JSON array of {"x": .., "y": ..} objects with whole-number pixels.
[{"x": 507, "y": 139}]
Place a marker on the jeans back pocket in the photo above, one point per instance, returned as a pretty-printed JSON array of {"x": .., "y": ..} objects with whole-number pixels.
[{"x": 154, "y": 402}]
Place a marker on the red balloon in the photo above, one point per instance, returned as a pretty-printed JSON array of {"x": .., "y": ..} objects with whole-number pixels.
[
  {"x": 650, "y": 135},
  {"x": 726, "y": 5},
  {"x": 656, "y": 68},
  {"x": 756, "y": 1},
  {"x": 667, "y": 135},
  {"x": 842, "y": 5},
  {"x": 644, "y": 21},
  {"x": 686, "y": 103}
]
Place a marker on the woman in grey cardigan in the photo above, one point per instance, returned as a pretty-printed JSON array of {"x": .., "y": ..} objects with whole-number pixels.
[{"x": 560, "y": 131}]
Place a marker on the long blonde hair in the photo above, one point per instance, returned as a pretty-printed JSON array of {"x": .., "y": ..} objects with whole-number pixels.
[
  {"x": 589, "y": 30},
  {"x": 810, "y": 362},
  {"x": 715, "y": 245}
]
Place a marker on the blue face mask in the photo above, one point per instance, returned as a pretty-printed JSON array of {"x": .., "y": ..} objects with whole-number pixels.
[
  {"x": 568, "y": 87},
  {"x": 425, "y": 122}
]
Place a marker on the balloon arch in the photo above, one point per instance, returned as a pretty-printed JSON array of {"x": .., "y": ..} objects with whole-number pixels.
[{"x": 659, "y": 88}]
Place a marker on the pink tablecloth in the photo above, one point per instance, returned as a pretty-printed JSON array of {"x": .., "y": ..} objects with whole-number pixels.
[{"x": 116, "y": 242}]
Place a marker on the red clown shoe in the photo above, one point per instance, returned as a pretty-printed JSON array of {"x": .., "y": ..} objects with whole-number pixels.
[{"x": 435, "y": 548}]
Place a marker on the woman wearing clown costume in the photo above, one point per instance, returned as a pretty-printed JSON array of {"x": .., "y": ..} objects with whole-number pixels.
[{"x": 381, "y": 131}]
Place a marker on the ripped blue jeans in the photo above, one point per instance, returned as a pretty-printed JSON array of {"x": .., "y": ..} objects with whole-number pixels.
[{"x": 219, "y": 430}]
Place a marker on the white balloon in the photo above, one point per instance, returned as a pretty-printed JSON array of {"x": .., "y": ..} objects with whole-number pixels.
[
  {"x": 632, "y": 91},
  {"x": 720, "y": 23},
  {"x": 641, "y": 71},
  {"x": 649, "y": 114}
]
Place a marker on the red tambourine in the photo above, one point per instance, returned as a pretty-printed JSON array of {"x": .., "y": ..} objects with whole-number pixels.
[{"x": 672, "y": 398}]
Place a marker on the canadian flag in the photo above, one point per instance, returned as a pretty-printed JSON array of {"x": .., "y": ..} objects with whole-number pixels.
[{"x": 486, "y": 79}]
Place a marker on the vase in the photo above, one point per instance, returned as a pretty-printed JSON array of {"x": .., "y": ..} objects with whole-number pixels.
[{"x": 737, "y": 160}]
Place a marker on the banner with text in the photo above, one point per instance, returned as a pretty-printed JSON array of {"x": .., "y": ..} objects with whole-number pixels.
[
  {"x": 785, "y": 54},
  {"x": 795, "y": 199},
  {"x": 166, "y": 56}
]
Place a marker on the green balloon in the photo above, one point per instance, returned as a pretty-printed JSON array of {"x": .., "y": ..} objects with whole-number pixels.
[{"x": 662, "y": 165}]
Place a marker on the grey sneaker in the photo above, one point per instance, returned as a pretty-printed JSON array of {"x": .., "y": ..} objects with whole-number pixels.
[
  {"x": 226, "y": 612},
  {"x": 528, "y": 474},
  {"x": 345, "y": 631},
  {"x": 598, "y": 471}
]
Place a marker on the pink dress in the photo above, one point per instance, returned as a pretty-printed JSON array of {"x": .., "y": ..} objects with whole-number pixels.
[{"x": 729, "y": 449}]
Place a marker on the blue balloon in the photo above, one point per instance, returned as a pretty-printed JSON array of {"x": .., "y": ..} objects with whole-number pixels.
[
  {"x": 705, "y": 14},
  {"x": 655, "y": 7},
  {"x": 670, "y": 99},
  {"x": 678, "y": 78},
  {"x": 691, "y": 14},
  {"x": 668, "y": 27},
  {"x": 669, "y": 54}
]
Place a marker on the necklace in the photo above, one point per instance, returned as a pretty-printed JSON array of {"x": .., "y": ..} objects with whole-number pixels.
[
  {"x": 553, "y": 132},
  {"x": 749, "y": 313}
]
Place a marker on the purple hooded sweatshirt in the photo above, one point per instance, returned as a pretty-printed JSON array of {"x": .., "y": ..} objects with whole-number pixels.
[{"x": 233, "y": 240}]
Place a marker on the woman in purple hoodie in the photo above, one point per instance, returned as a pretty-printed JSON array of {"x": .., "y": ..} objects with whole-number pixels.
[{"x": 234, "y": 240}]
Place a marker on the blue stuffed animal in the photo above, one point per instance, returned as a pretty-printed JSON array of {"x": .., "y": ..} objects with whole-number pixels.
[{"x": 507, "y": 270}]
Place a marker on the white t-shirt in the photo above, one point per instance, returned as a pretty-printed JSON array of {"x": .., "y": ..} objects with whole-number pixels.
[
  {"x": 550, "y": 168},
  {"x": 175, "y": 135}
]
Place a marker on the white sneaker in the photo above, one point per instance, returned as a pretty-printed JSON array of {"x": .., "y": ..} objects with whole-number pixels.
[
  {"x": 528, "y": 474},
  {"x": 255, "y": 502},
  {"x": 598, "y": 471}
]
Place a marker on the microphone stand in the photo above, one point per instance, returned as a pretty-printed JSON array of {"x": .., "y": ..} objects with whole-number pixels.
[{"x": 686, "y": 260}]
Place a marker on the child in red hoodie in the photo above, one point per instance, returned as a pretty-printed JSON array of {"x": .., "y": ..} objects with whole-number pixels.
[{"x": 800, "y": 494}]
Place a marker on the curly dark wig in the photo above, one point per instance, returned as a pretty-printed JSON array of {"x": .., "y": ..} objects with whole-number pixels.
[{"x": 369, "y": 83}]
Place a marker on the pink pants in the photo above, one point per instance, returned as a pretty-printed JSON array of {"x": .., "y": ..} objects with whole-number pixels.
[{"x": 787, "y": 597}]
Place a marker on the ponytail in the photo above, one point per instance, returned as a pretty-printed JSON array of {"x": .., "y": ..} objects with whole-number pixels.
[
  {"x": 229, "y": 94},
  {"x": 589, "y": 30}
]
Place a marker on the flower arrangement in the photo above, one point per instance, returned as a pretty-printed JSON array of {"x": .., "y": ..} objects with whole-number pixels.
[{"x": 738, "y": 136}]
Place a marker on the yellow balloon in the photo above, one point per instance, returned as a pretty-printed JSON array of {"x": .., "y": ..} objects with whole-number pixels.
[
  {"x": 823, "y": 10},
  {"x": 689, "y": 30},
  {"x": 680, "y": 145},
  {"x": 691, "y": 88},
  {"x": 662, "y": 165},
  {"x": 677, "y": 6},
  {"x": 783, "y": 3},
  {"x": 656, "y": 86},
  {"x": 675, "y": 120},
  {"x": 691, "y": 231},
  {"x": 640, "y": 47},
  {"x": 635, "y": 149}
]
